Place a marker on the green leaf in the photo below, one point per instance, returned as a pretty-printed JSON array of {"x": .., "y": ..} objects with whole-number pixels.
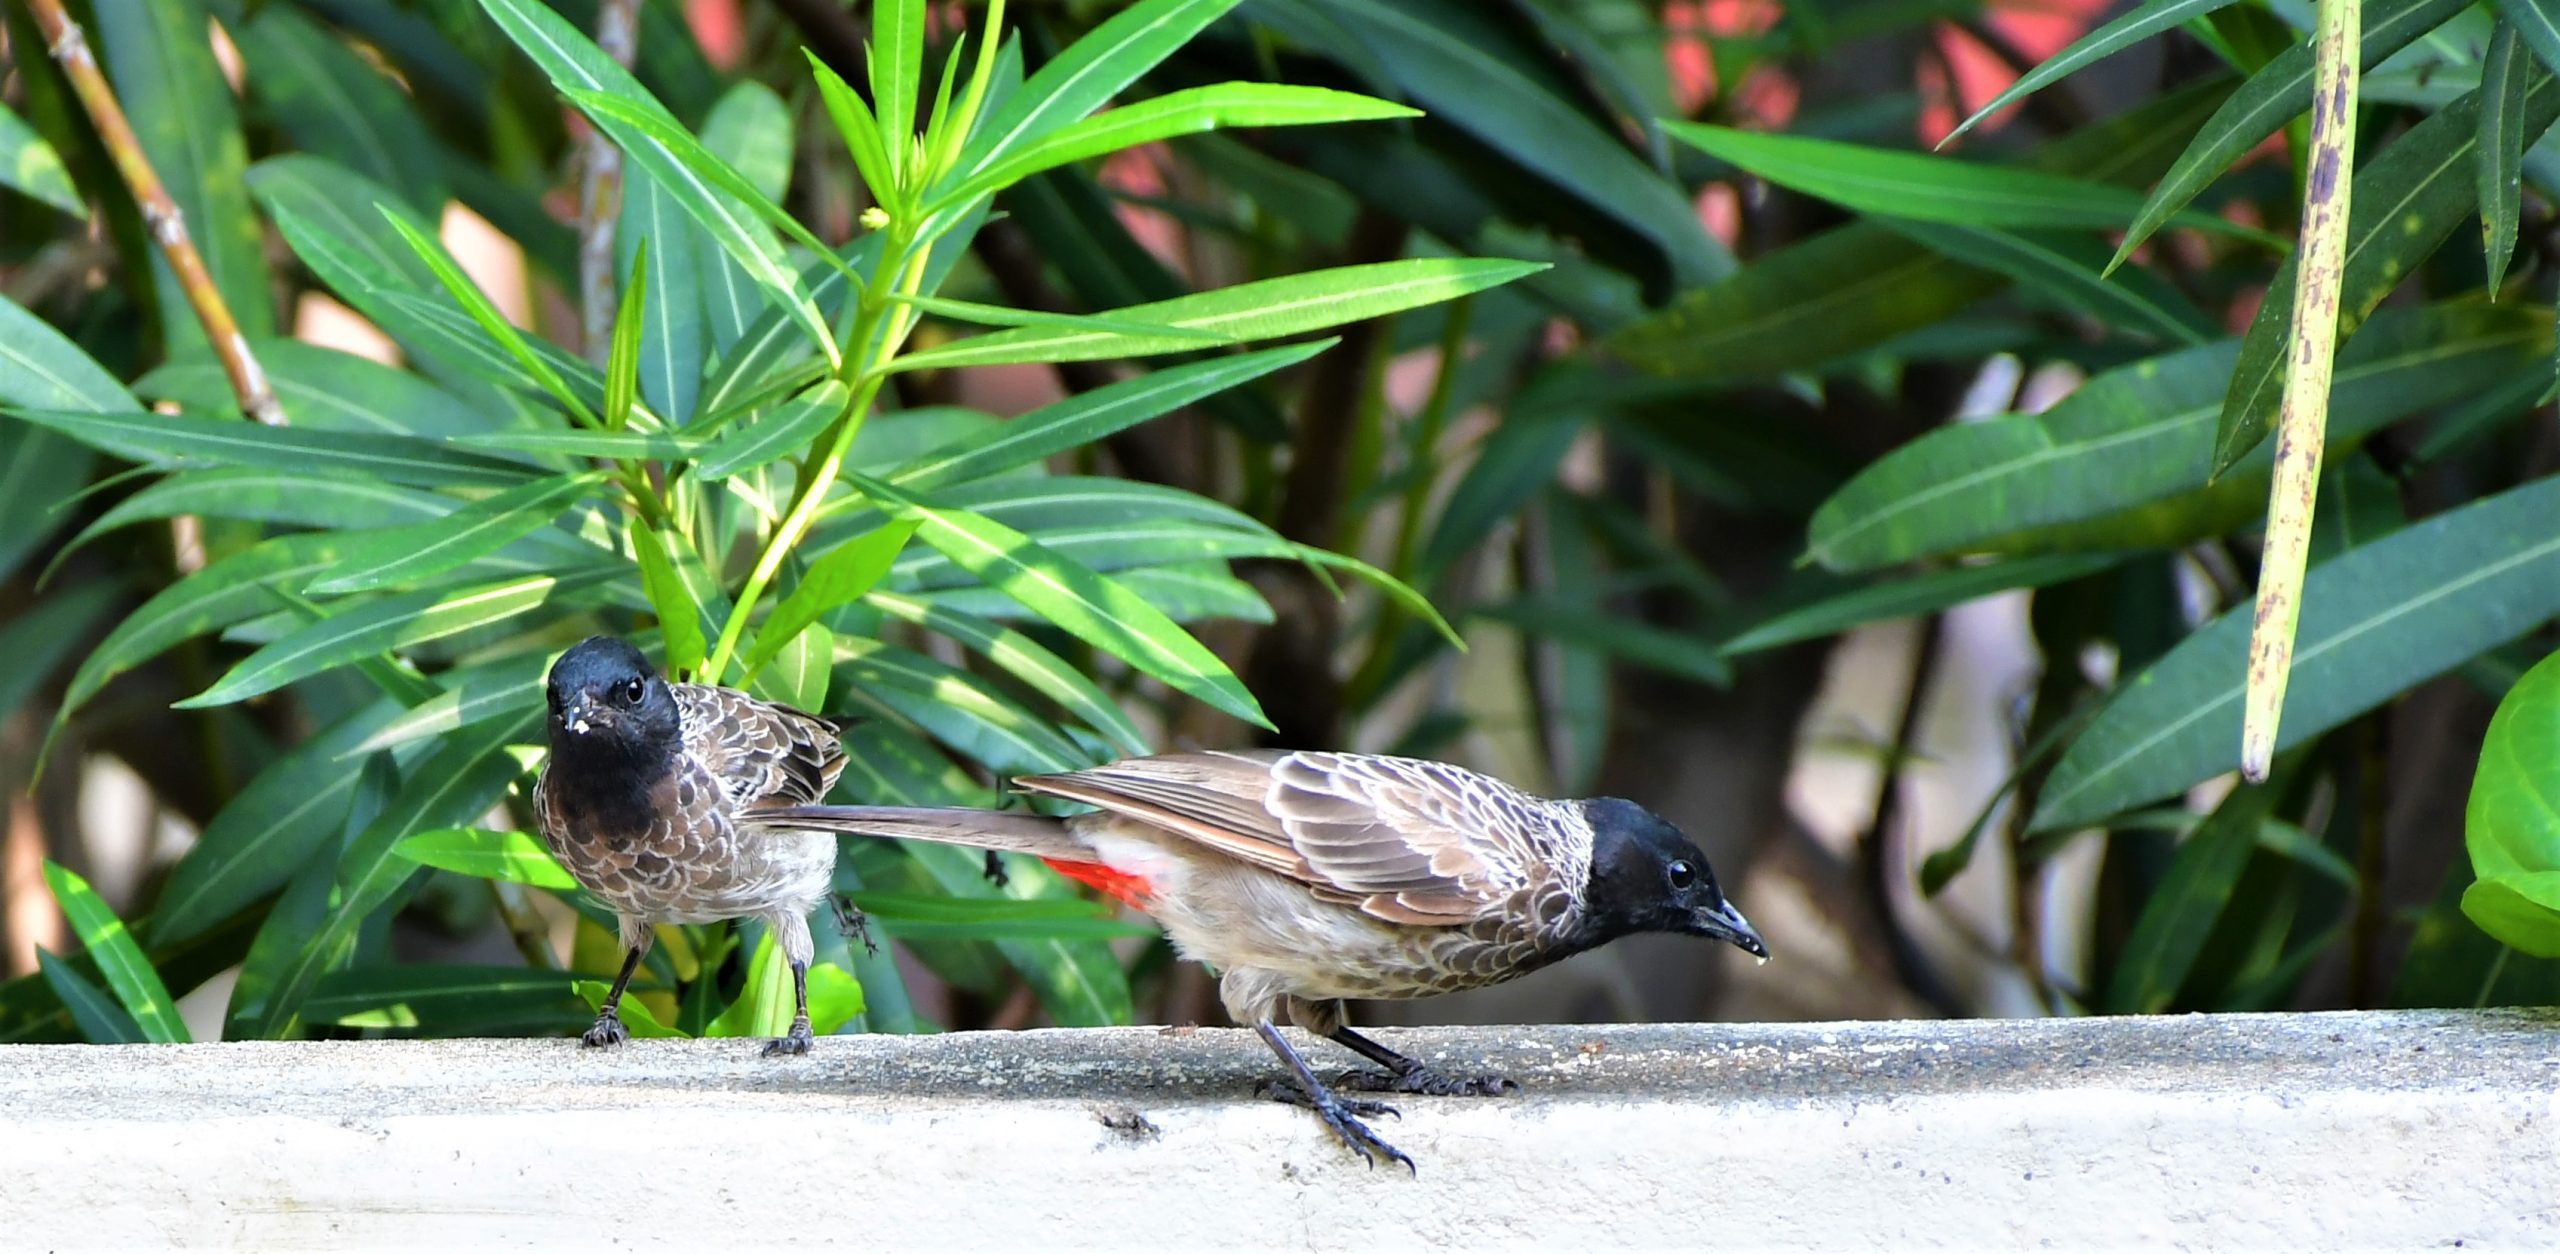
[
  {"x": 2275, "y": 95},
  {"x": 657, "y": 243},
  {"x": 299, "y": 910},
  {"x": 622, "y": 353},
  {"x": 1079, "y": 601},
  {"x": 459, "y": 783},
  {"x": 914, "y": 917},
  {"x": 163, "y": 438},
  {"x": 2383, "y": 617},
  {"x": 1464, "y": 83},
  {"x": 1023, "y": 658},
  {"x": 654, "y": 446},
  {"x": 324, "y": 95},
  {"x": 30, "y": 165},
  {"x": 1924, "y": 593},
  {"x": 636, "y": 1015},
  {"x": 2407, "y": 201},
  {"x": 897, "y": 72},
  {"x": 861, "y": 134},
  {"x": 442, "y": 1000},
  {"x": 228, "y": 590},
  {"x": 484, "y": 312},
  {"x": 2540, "y": 27},
  {"x": 284, "y": 497},
  {"x": 41, "y": 369},
  {"x": 679, "y": 615},
  {"x": 839, "y": 578},
  {"x": 128, "y": 972},
  {"x": 474, "y": 693},
  {"x": 2072, "y": 269},
  {"x": 1094, "y": 69},
  {"x": 1687, "y": 655},
  {"x": 400, "y": 556},
  {"x": 1264, "y": 309},
  {"x": 2522, "y": 911},
  {"x": 2190, "y": 898},
  {"x": 1090, "y": 416},
  {"x": 392, "y": 622},
  {"x": 513, "y": 856},
  {"x": 2498, "y": 160},
  {"x": 1187, "y": 112},
  {"x": 100, "y": 1020},
  {"x": 324, "y": 389},
  {"x": 798, "y": 674},
  {"x": 38, "y": 637},
  {"x": 2140, "y": 434},
  {"x": 156, "y": 54},
  {"x": 712, "y": 194},
  {"x": 2145, "y": 20},
  {"x": 956, "y": 708},
  {"x": 792, "y": 426},
  {"x": 976, "y": 314},
  {"x": 266, "y": 831},
  {"x": 1924, "y": 188}
]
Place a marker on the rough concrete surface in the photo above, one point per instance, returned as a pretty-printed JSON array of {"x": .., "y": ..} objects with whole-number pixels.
[{"x": 2291, "y": 1132}]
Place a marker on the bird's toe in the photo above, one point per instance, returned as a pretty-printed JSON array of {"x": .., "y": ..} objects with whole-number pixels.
[
  {"x": 608, "y": 1030},
  {"x": 794, "y": 1044},
  {"x": 1424, "y": 1081}
]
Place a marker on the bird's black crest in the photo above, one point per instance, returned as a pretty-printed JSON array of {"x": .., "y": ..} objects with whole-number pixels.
[{"x": 1646, "y": 876}]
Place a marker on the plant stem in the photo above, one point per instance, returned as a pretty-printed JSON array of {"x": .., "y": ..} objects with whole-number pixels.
[
  {"x": 600, "y": 192},
  {"x": 168, "y": 225}
]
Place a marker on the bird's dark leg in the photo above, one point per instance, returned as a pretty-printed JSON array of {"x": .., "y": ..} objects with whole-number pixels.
[
  {"x": 995, "y": 871},
  {"x": 851, "y": 921},
  {"x": 608, "y": 1029},
  {"x": 1409, "y": 1075},
  {"x": 1340, "y": 1114},
  {"x": 798, "y": 1040}
]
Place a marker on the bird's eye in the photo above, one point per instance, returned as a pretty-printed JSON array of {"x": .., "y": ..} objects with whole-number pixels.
[
  {"x": 1681, "y": 873},
  {"x": 633, "y": 690}
]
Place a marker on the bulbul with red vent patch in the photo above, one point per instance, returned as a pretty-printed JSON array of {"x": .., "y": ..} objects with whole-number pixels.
[{"x": 1305, "y": 879}]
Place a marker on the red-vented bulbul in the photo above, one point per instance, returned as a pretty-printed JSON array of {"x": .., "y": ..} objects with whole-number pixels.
[
  {"x": 653, "y": 796},
  {"x": 1307, "y": 878}
]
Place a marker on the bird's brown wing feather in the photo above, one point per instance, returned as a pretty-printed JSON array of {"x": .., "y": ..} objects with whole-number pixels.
[
  {"x": 762, "y": 752},
  {"x": 1408, "y": 841}
]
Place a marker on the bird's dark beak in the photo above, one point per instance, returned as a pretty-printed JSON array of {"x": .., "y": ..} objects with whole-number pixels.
[
  {"x": 1722, "y": 922},
  {"x": 578, "y": 714}
]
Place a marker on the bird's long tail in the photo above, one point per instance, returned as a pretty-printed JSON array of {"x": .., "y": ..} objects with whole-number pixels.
[{"x": 1037, "y": 835}]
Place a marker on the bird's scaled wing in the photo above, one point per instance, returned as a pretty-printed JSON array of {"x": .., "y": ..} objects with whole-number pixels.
[{"x": 762, "y": 753}]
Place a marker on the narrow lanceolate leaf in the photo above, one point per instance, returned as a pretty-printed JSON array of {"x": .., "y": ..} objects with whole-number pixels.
[
  {"x": 389, "y": 623},
  {"x": 897, "y": 72},
  {"x": 477, "y": 304},
  {"x": 1085, "y": 604},
  {"x": 718, "y": 175},
  {"x": 128, "y": 972},
  {"x": 679, "y": 615},
  {"x": 30, "y": 165},
  {"x": 403, "y": 555},
  {"x": 329, "y": 99},
  {"x": 971, "y": 311},
  {"x": 2375, "y": 621},
  {"x": 1262, "y": 309},
  {"x": 473, "y": 693},
  {"x": 2539, "y": 23},
  {"x": 752, "y": 128},
  {"x": 1093, "y": 69},
  {"x": 1929, "y": 189},
  {"x": 2408, "y": 199},
  {"x": 792, "y": 426},
  {"x": 2070, "y": 267},
  {"x": 2498, "y": 165},
  {"x": 2145, "y": 20},
  {"x": 957, "y": 708},
  {"x": 2275, "y": 95},
  {"x": 1023, "y": 658},
  {"x": 860, "y": 131},
  {"x": 228, "y": 590},
  {"x": 2179, "y": 915},
  {"x": 160, "y": 438},
  {"x": 799, "y": 672},
  {"x": 2142, "y": 434},
  {"x": 325, "y": 389},
  {"x": 841, "y": 577},
  {"x": 285, "y": 497},
  {"x": 622, "y": 352},
  {"x": 575, "y": 65},
  {"x": 100, "y": 1020},
  {"x": 619, "y": 445},
  {"x": 1186, "y": 112},
  {"x": 513, "y": 856},
  {"x": 673, "y": 337},
  {"x": 1924, "y": 593},
  {"x": 2304, "y": 434},
  {"x": 1089, "y": 416}
]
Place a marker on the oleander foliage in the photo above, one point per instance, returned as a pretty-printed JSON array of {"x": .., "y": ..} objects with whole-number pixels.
[{"x": 1641, "y": 448}]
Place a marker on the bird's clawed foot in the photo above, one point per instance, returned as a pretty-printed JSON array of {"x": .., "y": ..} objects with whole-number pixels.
[
  {"x": 1425, "y": 1081},
  {"x": 1343, "y": 1115},
  {"x": 852, "y": 922},
  {"x": 796, "y": 1042},
  {"x": 995, "y": 872},
  {"x": 608, "y": 1030}
]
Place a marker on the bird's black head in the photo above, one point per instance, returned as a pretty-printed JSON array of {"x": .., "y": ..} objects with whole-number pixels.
[
  {"x": 607, "y": 699},
  {"x": 1647, "y": 877}
]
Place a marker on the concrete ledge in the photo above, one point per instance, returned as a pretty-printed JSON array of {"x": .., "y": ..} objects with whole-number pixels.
[{"x": 2247, "y": 1132}]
